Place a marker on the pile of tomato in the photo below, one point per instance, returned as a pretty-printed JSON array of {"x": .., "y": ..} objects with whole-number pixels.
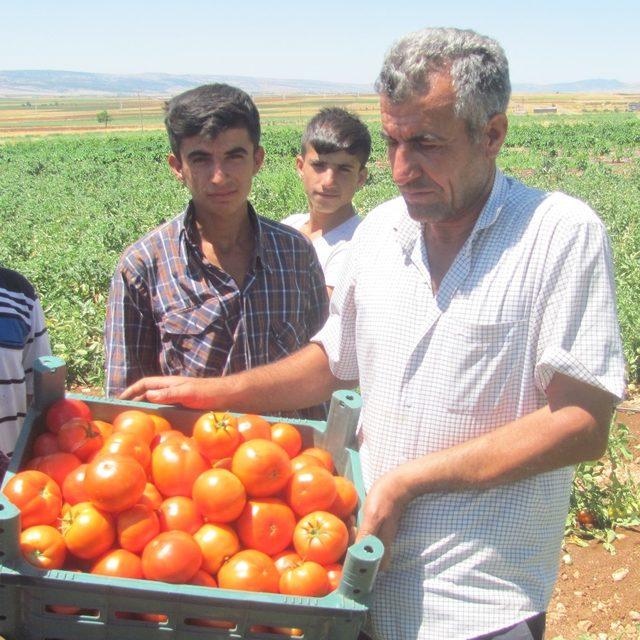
[{"x": 237, "y": 504}]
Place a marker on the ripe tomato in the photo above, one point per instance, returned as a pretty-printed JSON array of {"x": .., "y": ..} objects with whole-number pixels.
[
  {"x": 43, "y": 547},
  {"x": 128, "y": 444},
  {"x": 80, "y": 437},
  {"x": 58, "y": 465},
  {"x": 219, "y": 495},
  {"x": 175, "y": 465},
  {"x": 165, "y": 436},
  {"x": 180, "y": 513},
  {"x": 119, "y": 563},
  {"x": 286, "y": 559},
  {"x": 73, "y": 490},
  {"x": 323, "y": 455},
  {"x": 151, "y": 496},
  {"x": 203, "y": 579},
  {"x": 36, "y": 495},
  {"x": 307, "y": 579},
  {"x": 114, "y": 483},
  {"x": 288, "y": 437},
  {"x": 218, "y": 542},
  {"x": 304, "y": 461},
  {"x": 45, "y": 444},
  {"x": 287, "y": 631},
  {"x": 346, "y": 498},
  {"x": 136, "y": 527},
  {"x": 251, "y": 427},
  {"x": 88, "y": 532},
  {"x": 217, "y": 434},
  {"x": 334, "y": 573},
  {"x": 321, "y": 537},
  {"x": 63, "y": 410},
  {"x": 160, "y": 423},
  {"x": 223, "y": 463},
  {"x": 137, "y": 423},
  {"x": 312, "y": 489},
  {"x": 172, "y": 556},
  {"x": 266, "y": 524},
  {"x": 262, "y": 466},
  {"x": 105, "y": 428},
  {"x": 249, "y": 570}
]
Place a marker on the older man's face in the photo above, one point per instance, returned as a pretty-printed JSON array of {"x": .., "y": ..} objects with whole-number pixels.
[{"x": 441, "y": 172}]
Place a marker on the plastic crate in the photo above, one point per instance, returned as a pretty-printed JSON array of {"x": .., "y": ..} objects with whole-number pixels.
[{"x": 30, "y": 599}]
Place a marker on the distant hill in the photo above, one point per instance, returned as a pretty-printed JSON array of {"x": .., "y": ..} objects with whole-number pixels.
[
  {"x": 49, "y": 82},
  {"x": 582, "y": 86}
]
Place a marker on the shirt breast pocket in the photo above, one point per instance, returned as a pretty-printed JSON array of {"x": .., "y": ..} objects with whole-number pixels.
[
  {"x": 13, "y": 332},
  {"x": 485, "y": 364}
]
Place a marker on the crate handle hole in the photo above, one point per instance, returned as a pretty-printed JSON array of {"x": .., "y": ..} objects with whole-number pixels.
[
  {"x": 368, "y": 548},
  {"x": 356, "y": 591},
  {"x": 363, "y": 570},
  {"x": 211, "y": 622},
  {"x": 349, "y": 397}
]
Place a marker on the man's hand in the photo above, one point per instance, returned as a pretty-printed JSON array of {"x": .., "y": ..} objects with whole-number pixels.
[
  {"x": 383, "y": 508},
  {"x": 195, "y": 393}
]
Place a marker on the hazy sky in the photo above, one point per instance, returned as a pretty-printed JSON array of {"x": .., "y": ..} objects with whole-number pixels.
[{"x": 335, "y": 40}]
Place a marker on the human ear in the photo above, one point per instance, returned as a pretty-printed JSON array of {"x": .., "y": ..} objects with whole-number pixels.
[
  {"x": 495, "y": 132},
  {"x": 362, "y": 177},
  {"x": 299, "y": 165},
  {"x": 176, "y": 166},
  {"x": 258, "y": 159}
]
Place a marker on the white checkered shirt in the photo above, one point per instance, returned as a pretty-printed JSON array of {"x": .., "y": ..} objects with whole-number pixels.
[{"x": 530, "y": 293}]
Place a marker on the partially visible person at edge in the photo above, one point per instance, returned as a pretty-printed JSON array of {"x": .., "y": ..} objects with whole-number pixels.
[
  {"x": 332, "y": 166},
  {"x": 217, "y": 289},
  {"x": 479, "y": 316},
  {"x": 23, "y": 339}
]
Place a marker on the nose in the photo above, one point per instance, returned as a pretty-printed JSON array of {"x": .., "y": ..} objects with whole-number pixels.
[
  {"x": 218, "y": 176},
  {"x": 328, "y": 178},
  {"x": 404, "y": 165}
]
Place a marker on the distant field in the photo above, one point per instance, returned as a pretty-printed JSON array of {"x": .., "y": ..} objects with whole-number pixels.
[{"x": 31, "y": 116}]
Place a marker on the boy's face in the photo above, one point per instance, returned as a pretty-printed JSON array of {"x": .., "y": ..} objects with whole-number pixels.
[
  {"x": 218, "y": 172},
  {"x": 330, "y": 180}
]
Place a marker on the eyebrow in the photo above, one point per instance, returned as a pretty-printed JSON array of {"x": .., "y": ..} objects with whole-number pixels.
[{"x": 425, "y": 137}]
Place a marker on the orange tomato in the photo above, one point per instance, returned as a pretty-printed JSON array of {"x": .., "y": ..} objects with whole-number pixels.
[
  {"x": 304, "y": 461},
  {"x": 311, "y": 489},
  {"x": 58, "y": 465},
  {"x": 151, "y": 496},
  {"x": 80, "y": 437},
  {"x": 321, "y": 537},
  {"x": 137, "y": 423},
  {"x": 323, "y": 455},
  {"x": 136, "y": 527},
  {"x": 105, "y": 428},
  {"x": 36, "y": 495},
  {"x": 203, "y": 579},
  {"x": 217, "y": 434},
  {"x": 119, "y": 563},
  {"x": 346, "y": 498},
  {"x": 128, "y": 444},
  {"x": 175, "y": 465},
  {"x": 88, "y": 532},
  {"x": 249, "y": 570},
  {"x": 252, "y": 426},
  {"x": 43, "y": 547},
  {"x": 307, "y": 579},
  {"x": 180, "y": 513},
  {"x": 262, "y": 466},
  {"x": 286, "y": 560},
  {"x": 114, "y": 483},
  {"x": 165, "y": 436},
  {"x": 63, "y": 410},
  {"x": 217, "y": 542},
  {"x": 334, "y": 573},
  {"x": 73, "y": 490},
  {"x": 266, "y": 524},
  {"x": 172, "y": 556},
  {"x": 160, "y": 423},
  {"x": 219, "y": 495},
  {"x": 288, "y": 437}
]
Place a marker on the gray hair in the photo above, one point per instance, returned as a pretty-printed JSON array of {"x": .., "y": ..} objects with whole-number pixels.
[{"x": 478, "y": 66}]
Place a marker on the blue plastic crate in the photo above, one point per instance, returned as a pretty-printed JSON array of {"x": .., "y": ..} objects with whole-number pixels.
[{"x": 31, "y": 600}]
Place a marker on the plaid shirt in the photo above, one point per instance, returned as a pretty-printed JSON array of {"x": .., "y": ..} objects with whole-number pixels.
[{"x": 171, "y": 312}]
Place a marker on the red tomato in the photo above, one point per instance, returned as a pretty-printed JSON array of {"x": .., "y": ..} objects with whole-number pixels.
[
  {"x": 119, "y": 563},
  {"x": 286, "y": 559},
  {"x": 73, "y": 486},
  {"x": 266, "y": 525},
  {"x": 88, "y": 532},
  {"x": 172, "y": 556},
  {"x": 136, "y": 527},
  {"x": 165, "y": 436},
  {"x": 334, "y": 573},
  {"x": 321, "y": 537},
  {"x": 262, "y": 466},
  {"x": 80, "y": 437},
  {"x": 217, "y": 435},
  {"x": 136, "y": 423},
  {"x": 43, "y": 547},
  {"x": 128, "y": 444},
  {"x": 36, "y": 495},
  {"x": 203, "y": 579},
  {"x": 63, "y": 410},
  {"x": 151, "y": 496},
  {"x": 175, "y": 465},
  {"x": 180, "y": 513},
  {"x": 58, "y": 465},
  {"x": 307, "y": 579},
  {"x": 304, "y": 461},
  {"x": 219, "y": 495},
  {"x": 114, "y": 483},
  {"x": 251, "y": 427},
  {"x": 346, "y": 498},
  {"x": 218, "y": 542},
  {"x": 249, "y": 570},
  {"x": 311, "y": 489},
  {"x": 288, "y": 437},
  {"x": 323, "y": 455},
  {"x": 45, "y": 444}
]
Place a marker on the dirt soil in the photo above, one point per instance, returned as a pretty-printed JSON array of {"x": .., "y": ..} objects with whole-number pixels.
[{"x": 597, "y": 595}]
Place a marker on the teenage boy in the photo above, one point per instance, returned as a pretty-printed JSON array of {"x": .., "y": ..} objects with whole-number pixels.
[
  {"x": 217, "y": 289},
  {"x": 332, "y": 166}
]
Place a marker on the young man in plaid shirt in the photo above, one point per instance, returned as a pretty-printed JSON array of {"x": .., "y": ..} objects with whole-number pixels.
[{"x": 217, "y": 289}]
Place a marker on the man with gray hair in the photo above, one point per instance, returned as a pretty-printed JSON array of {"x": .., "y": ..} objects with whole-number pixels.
[{"x": 478, "y": 316}]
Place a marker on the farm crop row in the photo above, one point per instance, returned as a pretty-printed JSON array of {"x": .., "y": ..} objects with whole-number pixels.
[{"x": 69, "y": 206}]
